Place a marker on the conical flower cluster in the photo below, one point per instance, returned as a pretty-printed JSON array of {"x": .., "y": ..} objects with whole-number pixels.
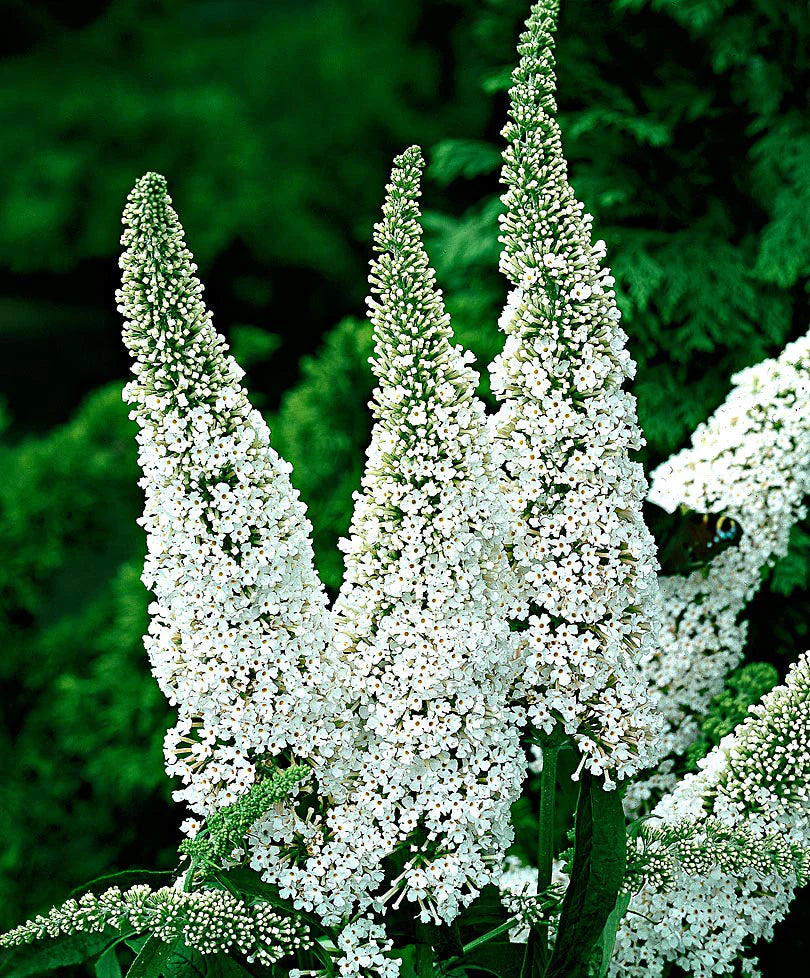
[
  {"x": 239, "y": 622},
  {"x": 750, "y": 461},
  {"x": 585, "y": 560},
  {"x": 434, "y": 761},
  {"x": 210, "y": 921},
  {"x": 755, "y": 782}
]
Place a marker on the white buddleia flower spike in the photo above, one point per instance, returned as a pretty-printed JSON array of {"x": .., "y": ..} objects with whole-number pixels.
[
  {"x": 756, "y": 785},
  {"x": 209, "y": 921},
  {"x": 434, "y": 761},
  {"x": 585, "y": 559},
  {"x": 749, "y": 461},
  {"x": 239, "y": 622}
]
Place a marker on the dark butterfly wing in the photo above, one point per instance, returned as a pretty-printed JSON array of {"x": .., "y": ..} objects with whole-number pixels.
[{"x": 688, "y": 540}]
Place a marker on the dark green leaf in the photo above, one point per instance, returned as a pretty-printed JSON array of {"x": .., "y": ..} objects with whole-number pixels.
[
  {"x": 535, "y": 955},
  {"x": 484, "y": 913},
  {"x": 249, "y": 884},
  {"x": 600, "y": 849},
  {"x": 187, "y": 963},
  {"x": 608, "y": 936},
  {"x": 136, "y": 943},
  {"x": 793, "y": 570},
  {"x": 501, "y": 958},
  {"x": 43, "y": 956},
  {"x": 408, "y": 958},
  {"x": 152, "y": 959},
  {"x": 108, "y": 965}
]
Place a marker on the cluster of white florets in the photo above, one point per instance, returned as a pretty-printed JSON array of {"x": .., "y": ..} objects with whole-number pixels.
[
  {"x": 210, "y": 921},
  {"x": 434, "y": 761},
  {"x": 239, "y": 623},
  {"x": 753, "y": 784},
  {"x": 364, "y": 947},
  {"x": 748, "y": 461},
  {"x": 519, "y": 896},
  {"x": 584, "y": 557}
]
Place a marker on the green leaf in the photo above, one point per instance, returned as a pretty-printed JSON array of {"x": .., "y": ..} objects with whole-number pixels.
[
  {"x": 42, "y": 956},
  {"x": 108, "y": 965},
  {"x": 152, "y": 959},
  {"x": 600, "y": 852},
  {"x": 792, "y": 571},
  {"x": 608, "y": 936},
  {"x": 407, "y": 955},
  {"x": 453, "y": 158},
  {"x": 501, "y": 958},
  {"x": 187, "y": 963},
  {"x": 484, "y": 913},
  {"x": 249, "y": 884}
]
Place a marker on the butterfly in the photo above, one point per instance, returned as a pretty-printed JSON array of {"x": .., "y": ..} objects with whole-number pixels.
[{"x": 688, "y": 540}]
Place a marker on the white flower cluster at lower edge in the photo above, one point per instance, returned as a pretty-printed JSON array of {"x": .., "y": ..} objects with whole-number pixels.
[
  {"x": 750, "y": 461},
  {"x": 209, "y": 921},
  {"x": 755, "y": 782}
]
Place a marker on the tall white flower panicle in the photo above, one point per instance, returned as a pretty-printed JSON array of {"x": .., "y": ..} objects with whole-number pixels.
[
  {"x": 239, "y": 624},
  {"x": 751, "y": 461},
  {"x": 434, "y": 762},
  {"x": 585, "y": 559},
  {"x": 755, "y": 782}
]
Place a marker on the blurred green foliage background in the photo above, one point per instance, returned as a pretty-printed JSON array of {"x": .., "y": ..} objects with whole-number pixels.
[{"x": 686, "y": 124}]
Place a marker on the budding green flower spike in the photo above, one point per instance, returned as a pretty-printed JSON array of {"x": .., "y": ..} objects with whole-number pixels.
[
  {"x": 210, "y": 921},
  {"x": 226, "y": 830}
]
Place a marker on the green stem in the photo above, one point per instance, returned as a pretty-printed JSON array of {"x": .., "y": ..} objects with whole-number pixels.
[
  {"x": 448, "y": 966},
  {"x": 489, "y": 936},
  {"x": 545, "y": 845},
  {"x": 424, "y": 951}
]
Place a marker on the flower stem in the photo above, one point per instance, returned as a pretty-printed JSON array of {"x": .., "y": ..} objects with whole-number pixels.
[{"x": 545, "y": 842}]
